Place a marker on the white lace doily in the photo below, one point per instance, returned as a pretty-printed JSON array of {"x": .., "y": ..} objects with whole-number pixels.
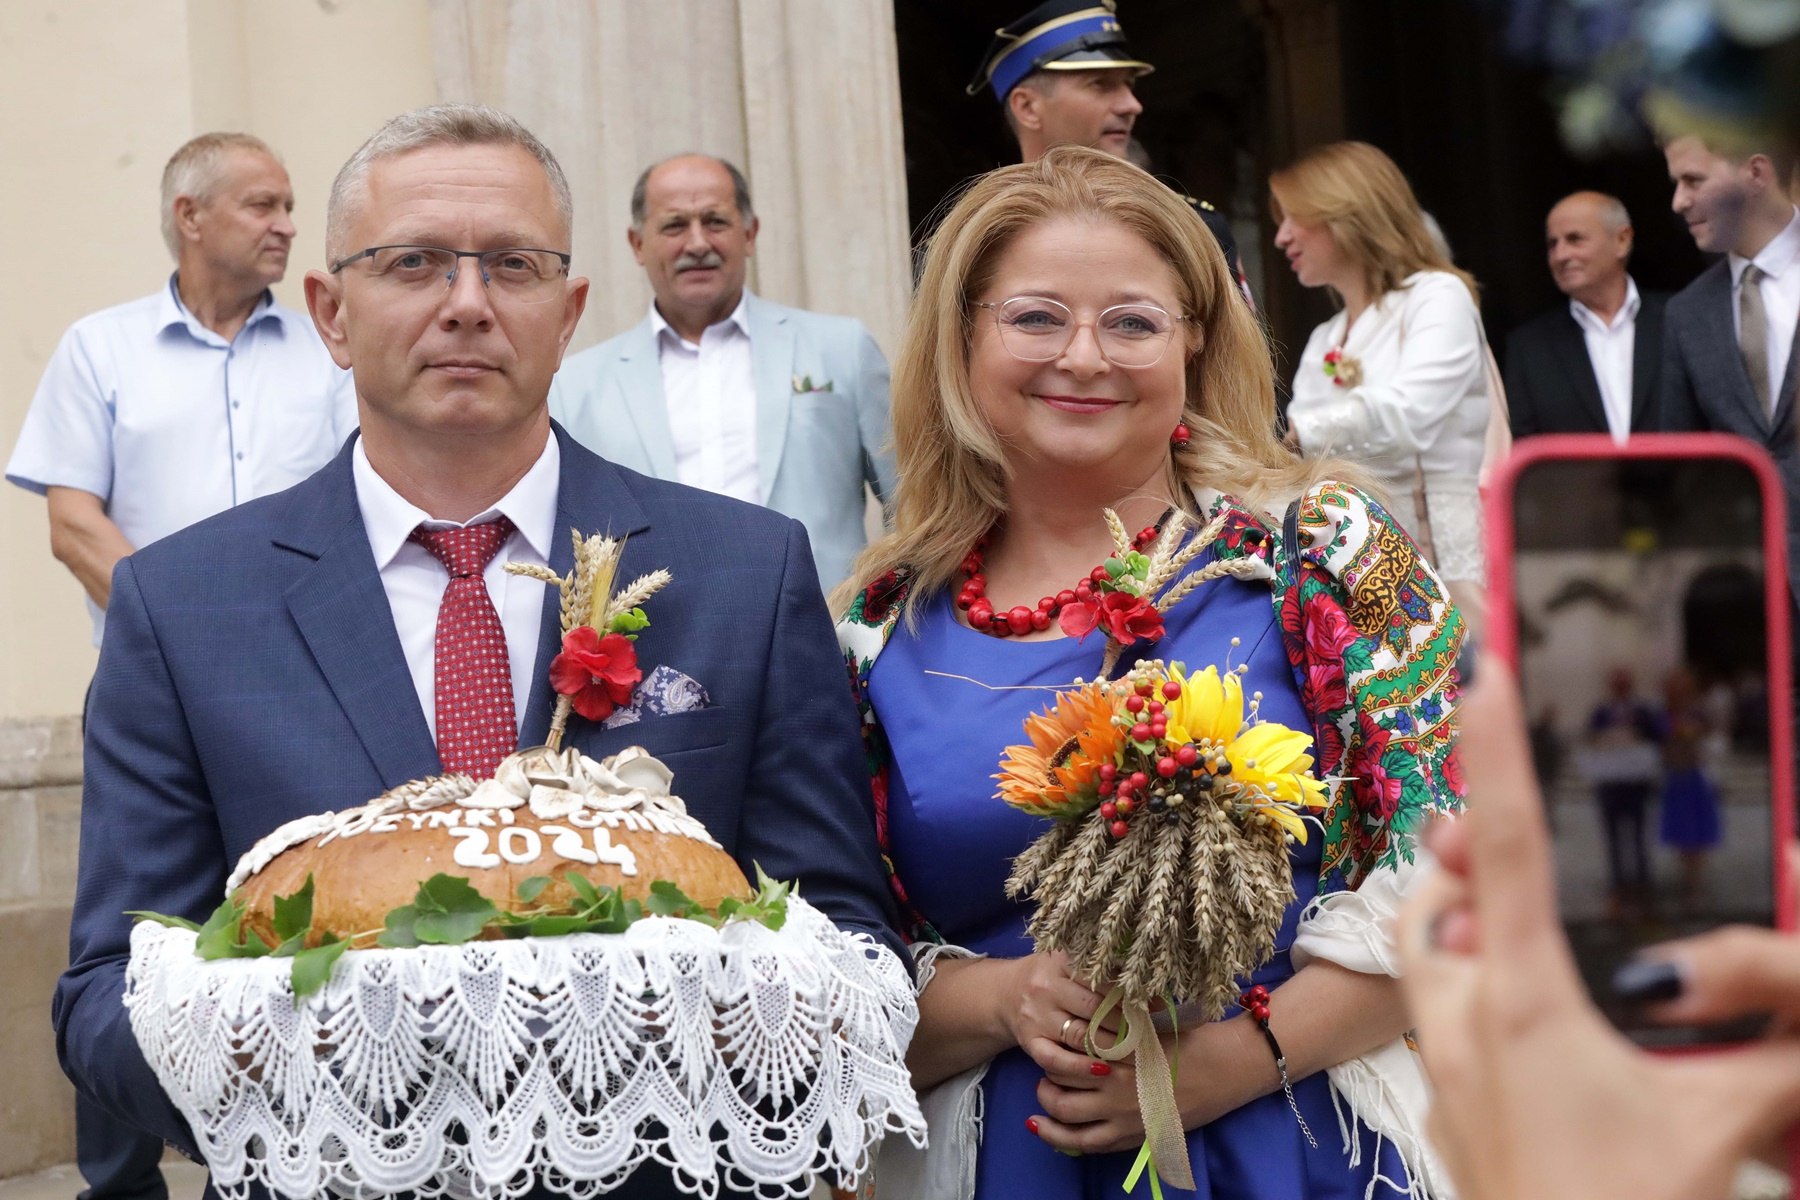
[{"x": 739, "y": 1057}]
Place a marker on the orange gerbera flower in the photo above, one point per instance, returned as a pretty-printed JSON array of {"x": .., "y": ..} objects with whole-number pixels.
[{"x": 1056, "y": 774}]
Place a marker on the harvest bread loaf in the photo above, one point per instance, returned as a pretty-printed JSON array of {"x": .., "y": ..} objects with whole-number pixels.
[{"x": 547, "y": 813}]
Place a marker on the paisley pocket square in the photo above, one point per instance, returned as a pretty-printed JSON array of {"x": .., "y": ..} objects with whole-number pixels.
[{"x": 663, "y": 692}]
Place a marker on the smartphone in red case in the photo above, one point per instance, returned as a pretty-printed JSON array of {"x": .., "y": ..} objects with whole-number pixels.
[{"x": 1641, "y": 594}]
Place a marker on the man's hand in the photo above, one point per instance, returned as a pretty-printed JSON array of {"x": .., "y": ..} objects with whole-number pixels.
[
  {"x": 84, "y": 539},
  {"x": 1536, "y": 1094}
]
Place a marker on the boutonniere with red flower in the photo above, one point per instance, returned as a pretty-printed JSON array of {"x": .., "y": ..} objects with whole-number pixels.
[
  {"x": 597, "y": 669},
  {"x": 1341, "y": 369}
]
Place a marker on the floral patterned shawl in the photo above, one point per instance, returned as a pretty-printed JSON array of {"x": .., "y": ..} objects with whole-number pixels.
[{"x": 1372, "y": 638}]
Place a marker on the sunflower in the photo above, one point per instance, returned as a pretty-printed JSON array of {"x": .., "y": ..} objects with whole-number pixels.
[
  {"x": 1271, "y": 769},
  {"x": 1057, "y": 773},
  {"x": 1209, "y": 709}
]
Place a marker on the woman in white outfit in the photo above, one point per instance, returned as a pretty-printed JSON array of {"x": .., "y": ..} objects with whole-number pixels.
[{"x": 1398, "y": 379}]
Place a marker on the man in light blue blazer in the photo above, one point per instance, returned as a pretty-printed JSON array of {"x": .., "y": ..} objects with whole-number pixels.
[{"x": 723, "y": 390}]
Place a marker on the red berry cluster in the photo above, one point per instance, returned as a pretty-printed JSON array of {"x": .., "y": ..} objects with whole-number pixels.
[
  {"x": 1123, "y": 794},
  {"x": 1256, "y": 1003},
  {"x": 1020, "y": 620}
]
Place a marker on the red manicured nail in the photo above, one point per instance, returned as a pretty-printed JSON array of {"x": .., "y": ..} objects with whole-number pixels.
[
  {"x": 1099, "y": 1068},
  {"x": 1031, "y": 1124}
]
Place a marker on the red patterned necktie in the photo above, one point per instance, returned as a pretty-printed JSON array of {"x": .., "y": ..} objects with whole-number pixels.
[{"x": 476, "y": 726}]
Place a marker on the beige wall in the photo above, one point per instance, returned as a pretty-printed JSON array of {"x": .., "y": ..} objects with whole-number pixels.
[
  {"x": 98, "y": 94},
  {"x": 803, "y": 95}
]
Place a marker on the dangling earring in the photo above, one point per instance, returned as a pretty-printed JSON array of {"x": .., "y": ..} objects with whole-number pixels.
[{"x": 1180, "y": 436}]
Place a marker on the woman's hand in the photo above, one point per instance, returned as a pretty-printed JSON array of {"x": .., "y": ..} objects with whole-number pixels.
[
  {"x": 974, "y": 1009},
  {"x": 1089, "y": 1106},
  {"x": 1536, "y": 1095},
  {"x": 1048, "y": 1008}
]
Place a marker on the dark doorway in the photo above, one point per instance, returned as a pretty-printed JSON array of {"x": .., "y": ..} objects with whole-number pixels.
[
  {"x": 1429, "y": 81},
  {"x": 1203, "y": 106},
  {"x": 1476, "y": 130}
]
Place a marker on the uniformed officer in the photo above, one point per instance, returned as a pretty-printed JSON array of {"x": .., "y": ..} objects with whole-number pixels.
[{"x": 1063, "y": 73}]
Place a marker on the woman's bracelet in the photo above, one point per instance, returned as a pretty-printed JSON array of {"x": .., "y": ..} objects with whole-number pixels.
[{"x": 1256, "y": 1003}]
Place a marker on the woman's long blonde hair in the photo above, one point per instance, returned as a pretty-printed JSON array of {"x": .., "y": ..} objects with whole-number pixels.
[
  {"x": 952, "y": 472},
  {"x": 1360, "y": 196}
]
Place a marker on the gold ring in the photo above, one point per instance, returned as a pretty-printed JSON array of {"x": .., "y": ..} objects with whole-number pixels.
[{"x": 1062, "y": 1035}]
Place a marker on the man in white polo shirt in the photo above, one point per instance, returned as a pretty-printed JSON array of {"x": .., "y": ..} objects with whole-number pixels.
[{"x": 157, "y": 413}]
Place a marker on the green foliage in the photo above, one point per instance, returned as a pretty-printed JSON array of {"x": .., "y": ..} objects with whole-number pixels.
[
  {"x": 313, "y": 967},
  {"x": 447, "y": 910},
  {"x": 224, "y": 935},
  {"x": 768, "y": 906},
  {"x": 629, "y": 622},
  {"x": 293, "y": 914},
  {"x": 163, "y": 919}
]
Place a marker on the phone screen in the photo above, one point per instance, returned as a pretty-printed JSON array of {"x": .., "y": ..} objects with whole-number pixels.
[{"x": 1643, "y": 655}]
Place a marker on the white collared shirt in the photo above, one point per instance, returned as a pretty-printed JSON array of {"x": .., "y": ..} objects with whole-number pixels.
[
  {"x": 169, "y": 423},
  {"x": 1780, "y": 287},
  {"x": 1609, "y": 346},
  {"x": 710, "y": 392},
  {"x": 415, "y": 580}
]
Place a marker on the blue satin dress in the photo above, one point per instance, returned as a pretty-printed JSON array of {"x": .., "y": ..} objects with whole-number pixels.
[{"x": 953, "y": 844}]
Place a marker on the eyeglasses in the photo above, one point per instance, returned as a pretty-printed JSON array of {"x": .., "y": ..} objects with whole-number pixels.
[
  {"x": 1038, "y": 329},
  {"x": 516, "y": 273}
]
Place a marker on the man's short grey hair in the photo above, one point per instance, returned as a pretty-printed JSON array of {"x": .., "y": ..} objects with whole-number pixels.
[
  {"x": 1611, "y": 209},
  {"x": 740, "y": 188},
  {"x": 195, "y": 171},
  {"x": 1612, "y": 213},
  {"x": 437, "y": 125}
]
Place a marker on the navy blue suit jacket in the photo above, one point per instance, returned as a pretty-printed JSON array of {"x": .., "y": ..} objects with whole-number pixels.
[{"x": 251, "y": 674}]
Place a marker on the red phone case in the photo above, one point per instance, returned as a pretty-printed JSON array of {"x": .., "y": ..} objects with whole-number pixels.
[{"x": 1502, "y": 621}]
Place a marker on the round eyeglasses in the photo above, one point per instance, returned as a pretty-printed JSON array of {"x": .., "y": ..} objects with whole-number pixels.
[
  {"x": 526, "y": 275},
  {"x": 1039, "y": 329}
]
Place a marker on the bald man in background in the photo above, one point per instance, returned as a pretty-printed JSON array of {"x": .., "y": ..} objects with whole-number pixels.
[{"x": 1591, "y": 365}]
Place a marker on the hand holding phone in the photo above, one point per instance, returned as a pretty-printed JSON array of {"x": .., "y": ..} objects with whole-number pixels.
[{"x": 1641, "y": 594}]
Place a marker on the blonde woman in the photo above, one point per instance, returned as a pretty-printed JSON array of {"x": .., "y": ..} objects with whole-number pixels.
[
  {"x": 1398, "y": 379},
  {"x": 1077, "y": 345}
]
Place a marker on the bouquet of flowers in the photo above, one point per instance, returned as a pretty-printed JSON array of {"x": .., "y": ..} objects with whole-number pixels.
[{"x": 1166, "y": 874}]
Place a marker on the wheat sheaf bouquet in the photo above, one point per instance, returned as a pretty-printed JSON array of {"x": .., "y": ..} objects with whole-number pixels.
[{"x": 1165, "y": 875}]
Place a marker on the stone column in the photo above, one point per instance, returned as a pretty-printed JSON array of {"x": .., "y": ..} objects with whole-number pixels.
[
  {"x": 40, "y": 819},
  {"x": 802, "y": 94}
]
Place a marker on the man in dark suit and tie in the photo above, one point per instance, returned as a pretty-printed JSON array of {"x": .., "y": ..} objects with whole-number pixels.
[
  {"x": 1590, "y": 366},
  {"x": 1728, "y": 357},
  {"x": 287, "y": 657}
]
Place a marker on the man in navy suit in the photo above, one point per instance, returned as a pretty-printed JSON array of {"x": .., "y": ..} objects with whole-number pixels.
[
  {"x": 1728, "y": 344},
  {"x": 1588, "y": 366},
  {"x": 278, "y": 660}
]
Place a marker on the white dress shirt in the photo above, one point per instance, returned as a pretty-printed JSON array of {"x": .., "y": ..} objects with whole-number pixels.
[
  {"x": 1609, "y": 346},
  {"x": 710, "y": 390},
  {"x": 415, "y": 580},
  {"x": 169, "y": 423},
  {"x": 1780, "y": 286}
]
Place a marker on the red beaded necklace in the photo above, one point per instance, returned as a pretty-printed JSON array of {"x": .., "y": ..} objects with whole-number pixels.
[{"x": 1021, "y": 620}]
